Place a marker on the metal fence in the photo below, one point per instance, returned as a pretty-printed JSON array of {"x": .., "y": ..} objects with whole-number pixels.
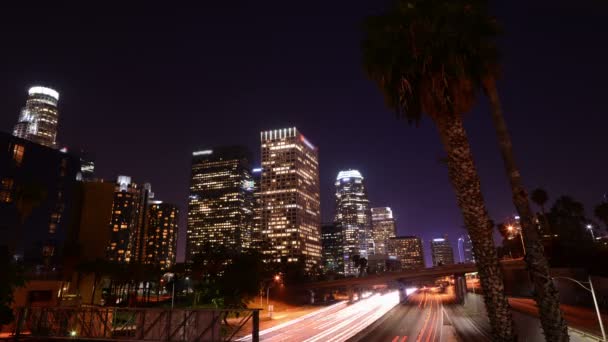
[{"x": 132, "y": 324}]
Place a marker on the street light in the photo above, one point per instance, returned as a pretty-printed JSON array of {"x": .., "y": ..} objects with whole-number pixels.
[
  {"x": 590, "y": 227},
  {"x": 172, "y": 277},
  {"x": 521, "y": 237},
  {"x": 597, "y": 308}
]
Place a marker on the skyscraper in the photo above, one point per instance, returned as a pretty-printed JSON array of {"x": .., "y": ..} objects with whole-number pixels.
[
  {"x": 256, "y": 230},
  {"x": 39, "y": 118},
  {"x": 353, "y": 213},
  {"x": 332, "y": 237},
  {"x": 161, "y": 234},
  {"x": 220, "y": 209},
  {"x": 383, "y": 228},
  {"x": 442, "y": 252},
  {"x": 127, "y": 224},
  {"x": 291, "y": 214},
  {"x": 407, "y": 251},
  {"x": 465, "y": 249}
]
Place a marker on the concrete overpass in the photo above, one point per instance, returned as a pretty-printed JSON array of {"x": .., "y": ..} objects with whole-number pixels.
[{"x": 457, "y": 270}]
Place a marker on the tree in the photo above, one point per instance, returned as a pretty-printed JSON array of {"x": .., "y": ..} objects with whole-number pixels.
[
  {"x": 11, "y": 274},
  {"x": 97, "y": 267},
  {"x": 540, "y": 197},
  {"x": 419, "y": 54},
  {"x": 601, "y": 212}
]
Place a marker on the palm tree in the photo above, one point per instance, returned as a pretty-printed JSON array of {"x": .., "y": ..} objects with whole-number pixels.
[
  {"x": 419, "y": 53},
  {"x": 601, "y": 212},
  {"x": 540, "y": 197},
  {"x": 485, "y": 69}
]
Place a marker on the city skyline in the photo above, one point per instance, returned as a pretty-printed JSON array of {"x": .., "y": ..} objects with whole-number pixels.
[{"x": 420, "y": 194}]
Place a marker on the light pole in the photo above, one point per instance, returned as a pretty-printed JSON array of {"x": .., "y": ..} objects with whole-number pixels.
[
  {"x": 523, "y": 245},
  {"x": 172, "y": 277},
  {"x": 590, "y": 227},
  {"x": 590, "y": 289}
]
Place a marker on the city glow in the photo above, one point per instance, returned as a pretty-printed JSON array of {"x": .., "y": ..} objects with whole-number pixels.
[{"x": 44, "y": 91}]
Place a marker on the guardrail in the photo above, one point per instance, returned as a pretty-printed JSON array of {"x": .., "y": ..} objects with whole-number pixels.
[
  {"x": 135, "y": 324},
  {"x": 586, "y": 334}
]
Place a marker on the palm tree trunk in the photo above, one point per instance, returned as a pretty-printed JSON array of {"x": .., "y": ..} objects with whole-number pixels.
[
  {"x": 545, "y": 292},
  {"x": 95, "y": 280},
  {"x": 465, "y": 180}
]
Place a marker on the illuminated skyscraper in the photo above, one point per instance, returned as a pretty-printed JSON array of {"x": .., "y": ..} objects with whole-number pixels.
[
  {"x": 332, "y": 237},
  {"x": 353, "y": 213},
  {"x": 407, "y": 251},
  {"x": 291, "y": 214},
  {"x": 442, "y": 252},
  {"x": 256, "y": 230},
  {"x": 128, "y": 221},
  {"x": 39, "y": 118},
  {"x": 161, "y": 234},
  {"x": 465, "y": 249},
  {"x": 220, "y": 209},
  {"x": 383, "y": 228}
]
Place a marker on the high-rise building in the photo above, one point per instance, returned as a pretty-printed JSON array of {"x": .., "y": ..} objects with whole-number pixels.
[
  {"x": 465, "y": 249},
  {"x": 47, "y": 178},
  {"x": 220, "y": 209},
  {"x": 291, "y": 211},
  {"x": 332, "y": 238},
  {"x": 407, "y": 251},
  {"x": 442, "y": 252},
  {"x": 161, "y": 234},
  {"x": 127, "y": 224},
  {"x": 256, "y": 227},
  {"x": 39, "y": 118},
  {"x": 353, "y": 213},
  {"x": 383, "y": 228}
]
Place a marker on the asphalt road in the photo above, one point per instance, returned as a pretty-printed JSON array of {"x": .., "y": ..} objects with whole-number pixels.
[{"x": 421, "y": 319}]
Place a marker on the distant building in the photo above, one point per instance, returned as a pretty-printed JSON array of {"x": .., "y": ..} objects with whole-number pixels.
[
  {"x": 127, "y": 222},
  {"x": 442, "y": 252},
  {"x": 87, "y": 166},
  {"x": 407, "y": 251},
  {"x": 332, "y": 238},
  {"x": 45, "y": 179},
  {"x": 39, "y": 118},
  {"x": 90, "y": 232},
  {"x": 383, "y": 228},
  {"x": 291, "y": 214},
  {"x": 465, "y": 249},
  {"x": 220, "y": 208},
  {"x": 257, "y": 238},
  {"x": 353, "y": 213},
  {"x": 161, "y": 234}
]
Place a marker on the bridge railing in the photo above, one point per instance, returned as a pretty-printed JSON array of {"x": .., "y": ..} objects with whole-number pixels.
[{"x": 115, "y": 324}]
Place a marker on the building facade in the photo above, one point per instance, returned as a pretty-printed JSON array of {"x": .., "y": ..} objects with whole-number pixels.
[
  {"x": 354, "y": 214},
  {"x": 442, "y": 252},
  {"x": 383, "y": 228},
  {"x": 44, "y": 179},
  {"x": 290, "y": 194},
  {"x": 465, "y": 249},
  {"x": 127, "y": 222},
  {"x": 257, "y": 241},
  {"x": 332, "y": 238},
  {"x": 161, "y": 234},
  {"x": 406, "y": 252},
  {"x": 220, "y": 208},
  {"x": 39, "y": 118}
]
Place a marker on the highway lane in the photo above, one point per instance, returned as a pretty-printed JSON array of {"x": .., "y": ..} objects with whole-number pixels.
[
  {"x": 337, "y": 323},
  {"x": 420, "y": 319}
]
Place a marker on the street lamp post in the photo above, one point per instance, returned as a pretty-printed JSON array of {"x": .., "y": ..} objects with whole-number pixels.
[
  {"x": 590, "y": 227},
  {"x": 521, "y": 237},
  {"x": 597, "y": 308},
  {"x": 172, "y": 277}
]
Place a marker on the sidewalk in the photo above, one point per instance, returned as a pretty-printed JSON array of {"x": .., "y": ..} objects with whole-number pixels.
[{"x": 472, "y": 316}]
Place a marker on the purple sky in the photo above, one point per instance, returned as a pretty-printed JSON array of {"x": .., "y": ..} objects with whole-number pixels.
[{"x": 143, "y": 87}]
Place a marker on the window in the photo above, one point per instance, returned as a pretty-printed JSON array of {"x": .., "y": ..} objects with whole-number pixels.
[
  {"x": 6, "y": 190},
  {"x": 18, "y": 151}
]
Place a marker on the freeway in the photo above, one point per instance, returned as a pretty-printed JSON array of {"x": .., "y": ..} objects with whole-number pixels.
[
  {"x": 338, "y": 322},
  {"x": 421, "y": 319}
]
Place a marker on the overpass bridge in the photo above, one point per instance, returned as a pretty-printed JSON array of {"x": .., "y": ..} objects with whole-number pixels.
[{"x": 457, "y": 270}]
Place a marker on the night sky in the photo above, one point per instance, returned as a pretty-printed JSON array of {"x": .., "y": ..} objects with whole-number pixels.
[{"x": 144, "y": 87}]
